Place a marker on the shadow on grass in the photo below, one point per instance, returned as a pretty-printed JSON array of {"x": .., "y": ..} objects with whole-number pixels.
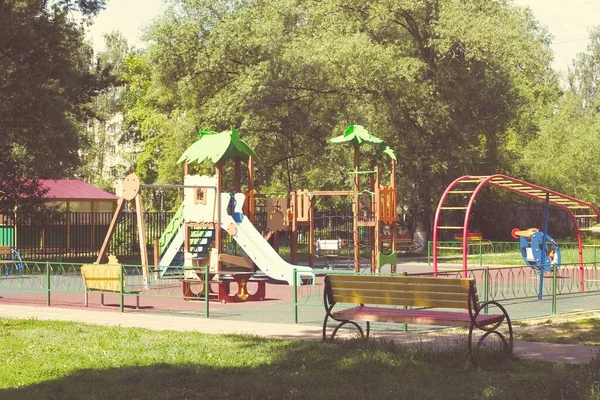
[
  {"x": 582, "y": 331},
  {"x": 260, "y": 368}
]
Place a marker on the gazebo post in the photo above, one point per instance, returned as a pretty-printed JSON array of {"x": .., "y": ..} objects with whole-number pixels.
[
  {"x": 393, "y": 186},
  {"x": 218, "y": 233},
  {"x": 356, "y": 209}
]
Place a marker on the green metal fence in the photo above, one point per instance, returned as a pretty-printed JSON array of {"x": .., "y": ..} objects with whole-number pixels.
[
  {"x": 504, "y": 253},
  {"x": 54, "y": 278},
  {"x": 518, "y": 285},
  {"x": 515, "y": 284}
]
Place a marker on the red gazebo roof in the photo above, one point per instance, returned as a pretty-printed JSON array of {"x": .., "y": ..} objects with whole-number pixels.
[{"x": 72, "y": 189}]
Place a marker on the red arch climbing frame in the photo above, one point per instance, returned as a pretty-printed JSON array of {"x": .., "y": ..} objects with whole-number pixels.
[{"x": 468, "y": 187}]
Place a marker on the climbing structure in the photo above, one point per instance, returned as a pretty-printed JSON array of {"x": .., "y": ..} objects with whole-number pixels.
[
  {"x": 457, "y": 202},
  {"x": 210, "y": 210},
  {"x": 192, "y": 229},
  {"x": 383, "y": 200}
]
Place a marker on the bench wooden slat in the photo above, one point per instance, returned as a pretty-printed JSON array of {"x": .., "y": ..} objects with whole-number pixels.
[
  {"x": 102, "y": 277},
  {"x": 426, "y": 317},
  {"x": 400, "y": 294},
  {"x": 399, "y": 301},
  {"x": 5, "y": 251},
  {"x": 407, "y": 287},
  {"x": 464, "y": 282}
]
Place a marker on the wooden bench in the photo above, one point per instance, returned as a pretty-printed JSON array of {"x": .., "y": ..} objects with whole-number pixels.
[
  {"x": 105, "y": 278},
  {"x": 403, "y": 243},
  {"x": 329, "y": 249},
  {"x": 472, "y": 238},
  {"x": 374, "y": 292}
]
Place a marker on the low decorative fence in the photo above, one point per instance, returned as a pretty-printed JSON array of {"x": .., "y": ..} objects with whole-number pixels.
[
  {"x": 570, "y": 288},
  {"x": 484, "y": 252}
]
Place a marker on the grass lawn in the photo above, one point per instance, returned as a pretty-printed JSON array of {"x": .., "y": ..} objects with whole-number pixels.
[
  {"x": 571, "y": 329},
  {"x": 59, "y": 360}
]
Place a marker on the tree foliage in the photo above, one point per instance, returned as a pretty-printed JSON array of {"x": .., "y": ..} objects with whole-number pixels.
[
  {"x": 564, "y": 156},
  {"x": 104, "y": 158},
  {"x": 45, "y": 81},
  {"x": 450, "y": 85}
]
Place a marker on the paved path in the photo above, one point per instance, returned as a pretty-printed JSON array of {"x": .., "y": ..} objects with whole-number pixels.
[{"x": 537, "y": 351}]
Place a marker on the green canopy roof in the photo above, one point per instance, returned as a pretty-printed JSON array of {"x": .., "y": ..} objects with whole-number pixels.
[
  {"x": 388, "y": 150},
  {"x": 217, "y": 146},
  {"x": 356, "y": 135}
]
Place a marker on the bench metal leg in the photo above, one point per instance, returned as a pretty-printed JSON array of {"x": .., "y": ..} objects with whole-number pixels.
[
  {"x": 102, "y": 298},
  {"x": 507, "y": 343},
  {"x": 137, "y": 302},
  {"x": 86, "y": 298}
]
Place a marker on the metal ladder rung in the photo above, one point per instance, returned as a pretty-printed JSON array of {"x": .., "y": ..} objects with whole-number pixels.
[
  {"x": 450, "y": 227},
  {"x": 586, "y": 216}
]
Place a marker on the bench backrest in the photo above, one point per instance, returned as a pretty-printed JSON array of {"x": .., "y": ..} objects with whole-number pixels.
[
  {"x": 5, "y": 251},
  {"x": 401, "y": 291},
  {"x": 102, "y": 277},
  {"x": 328, "y": 244},
  {"x": 471, "y": 237}
]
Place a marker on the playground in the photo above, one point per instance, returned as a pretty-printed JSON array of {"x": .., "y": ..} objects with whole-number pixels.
[{"x": 230, "y": 252}]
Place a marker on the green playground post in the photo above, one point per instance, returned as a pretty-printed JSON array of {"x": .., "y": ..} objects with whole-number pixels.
[
  {"x": 48, "y": 283},
  {"x": 206, "y": 290},
  {"x": 121, "y": 290},
  {"x": 295, "y": 294},
  {"x": 405, "y": 327},
  {"x": 486, "y": 289},
  {"x": 429, "y": 253}
]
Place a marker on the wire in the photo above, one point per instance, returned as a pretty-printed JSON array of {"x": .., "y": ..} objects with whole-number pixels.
[
  {"x": 570, "y": 40},
  {"x": 562, "y": 12}
]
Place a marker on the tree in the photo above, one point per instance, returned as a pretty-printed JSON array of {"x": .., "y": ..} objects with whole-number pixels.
[
  {"x": 564, "y": 155},
  {"x": 584, "y": 79},
  {"x": 45, "y": 82},
  {"x": 448, "y": 84},
  {"x": 107, "y": 158}
]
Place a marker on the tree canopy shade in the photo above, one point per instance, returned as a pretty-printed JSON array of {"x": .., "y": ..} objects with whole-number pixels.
[
  {"x": 453, "y": 87},
  {"x": 217, "y": 147}
]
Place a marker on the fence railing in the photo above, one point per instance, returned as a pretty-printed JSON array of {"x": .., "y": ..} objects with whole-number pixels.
[
  {"x": 79, "y": 235},
  {"x": 505, "y": 253},
  {"x": 508, "y": 283},
  {"x": 60, "y": 282}
]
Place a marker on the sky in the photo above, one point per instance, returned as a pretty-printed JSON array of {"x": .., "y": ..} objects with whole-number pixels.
[{"x": 568, "y": 21}]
